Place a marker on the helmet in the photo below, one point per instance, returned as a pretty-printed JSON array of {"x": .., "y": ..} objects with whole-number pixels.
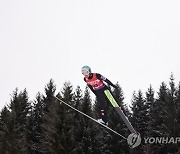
[{"x": 86, "y": 68}]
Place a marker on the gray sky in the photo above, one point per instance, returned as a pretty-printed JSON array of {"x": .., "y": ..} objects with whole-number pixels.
[{"x": 136, "y": 43}]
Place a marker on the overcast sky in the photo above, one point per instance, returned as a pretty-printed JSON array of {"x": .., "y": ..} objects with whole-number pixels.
[{"x": 136, "y": 43}]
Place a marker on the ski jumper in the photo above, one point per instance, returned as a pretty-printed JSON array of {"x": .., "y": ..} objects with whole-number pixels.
[{"x": 95, "y": 82}]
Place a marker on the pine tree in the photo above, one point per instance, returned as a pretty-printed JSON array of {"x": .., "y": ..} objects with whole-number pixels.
[
  {"x": 172, "y": 113},
  {"x": 177, "y": 120},
  {"x": 61, "y": 136},
  {"x": 139, "y": 116},
  {"x": 11, "y": 139},
  {"x": 67, "y": 114},
  {"x": 4, "y": 130},
  {"x": 150, "y": 100},
  {"x": 36, "y": 121},
  {"x": 49, "y": 119},
  {"x": 160, "y": 118},
  {"x": 18, "y": 123},
  {"x": 171, "y": 109},
  {"x": 76, "y": 133}
]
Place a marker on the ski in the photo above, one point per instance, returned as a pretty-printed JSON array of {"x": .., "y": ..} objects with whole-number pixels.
[
  {"x": 119, "y": 111},
  {"x": 61, "y": 101}
]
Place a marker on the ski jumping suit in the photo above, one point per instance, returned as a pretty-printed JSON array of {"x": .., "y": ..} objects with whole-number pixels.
[{"x": 97, "y": 86}]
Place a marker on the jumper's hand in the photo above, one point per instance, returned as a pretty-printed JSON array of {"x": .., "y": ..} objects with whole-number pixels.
[{"x": 115, "y": 87}]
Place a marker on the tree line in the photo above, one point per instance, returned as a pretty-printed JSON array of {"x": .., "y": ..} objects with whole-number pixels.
[{"x": 45, "y": 126}]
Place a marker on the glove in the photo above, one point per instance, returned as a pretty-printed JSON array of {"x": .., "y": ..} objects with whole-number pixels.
[{"x": 115, "y": 87}]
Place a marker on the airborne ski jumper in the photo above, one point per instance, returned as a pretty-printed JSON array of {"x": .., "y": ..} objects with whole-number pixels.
[{"x": 95, "y": 82}]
